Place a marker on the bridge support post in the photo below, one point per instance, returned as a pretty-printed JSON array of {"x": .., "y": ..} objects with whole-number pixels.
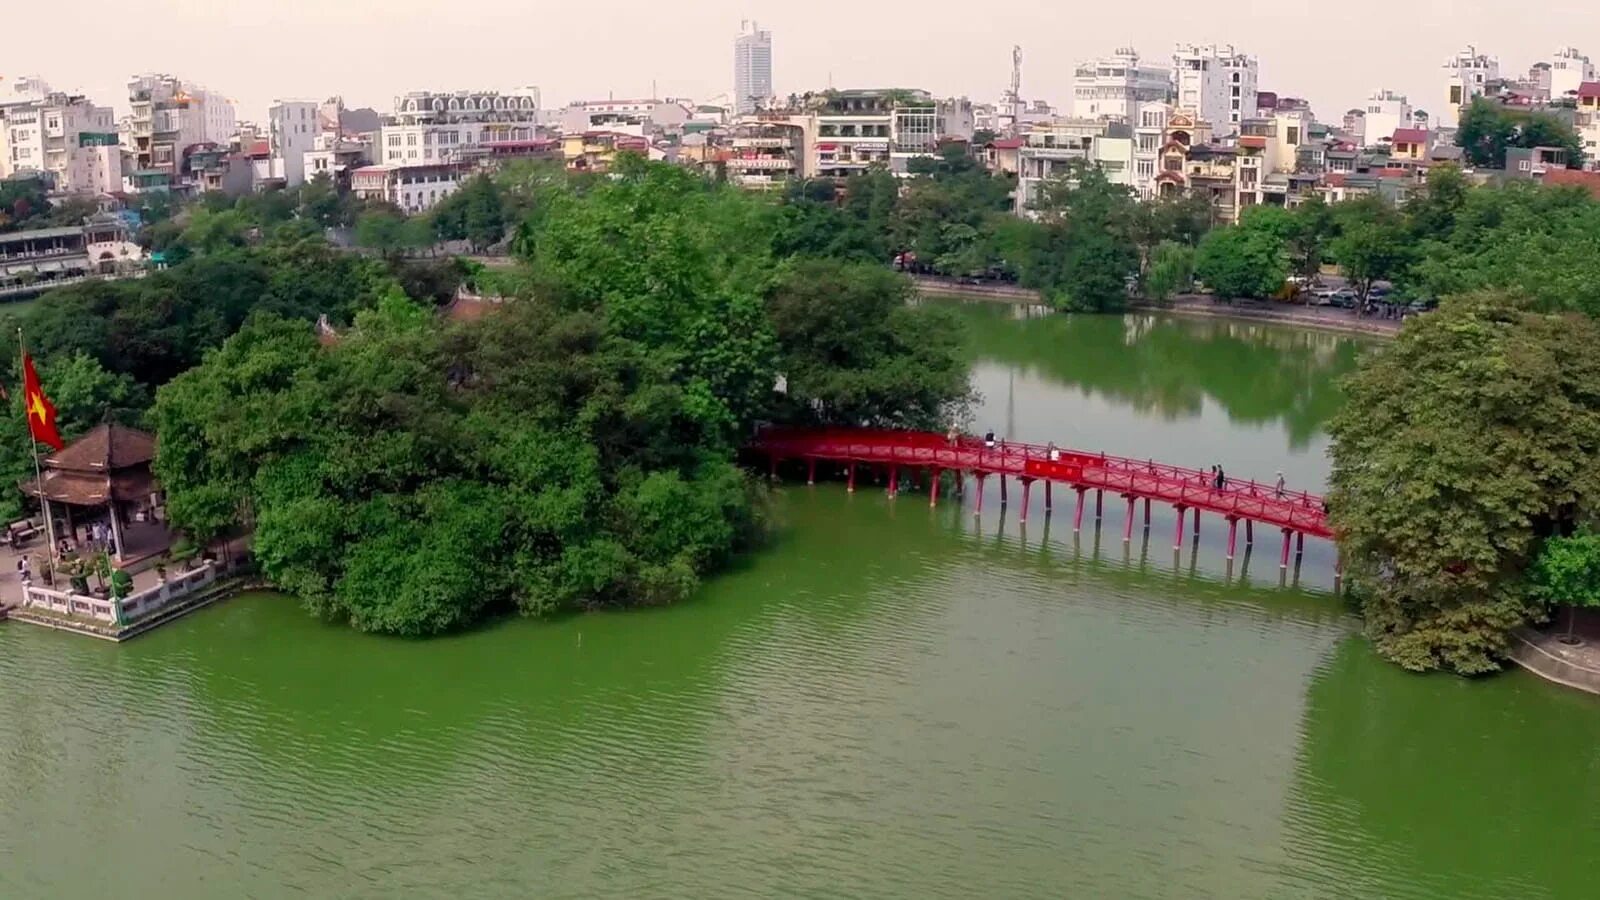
[
  {"x": 1249, "y": 533},
  {"x": 1005, "y": 499},
  {"x": 1127, "y": 525},
  {"x": 1077, "y": 517},
  {"x": 1283, "y": 560},
  {"x": 1300, "y": 544},
  {"x": 1049, "y": 499},
  {"x": 1147, "y": 515},
  {"x": 933, "y": 487},
  {"x": 850, "y": 478},
  {"x": 811, "y": 470},
  {"x": 1099, "y": 505},
  {"x": 1233, "y": 536},
  {"x": 1177, "y": 533},
  {"x": 1197, "y": 523},
  {"x": 1027, "y": 485},
  {"x": 894, "y": 480},
  {"x": 978, "y": 476}
]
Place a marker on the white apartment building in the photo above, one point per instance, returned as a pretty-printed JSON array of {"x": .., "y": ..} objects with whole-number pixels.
[
  {"x": 1217, "y": 83},
  {"x": 414, "y": 189},
  {"x": 1386, "y": 111},
  {"x": 752, "y": 68},
  {"x": 1050, "y": 150},
  {"x": 1114, "y": 87},
  {"x": 767, "y": 152},
  {"x": 1467, "y": 75},
  {"x": 292, "y": 130},
  {"x": 429, "y": 128},
  {"x": 1569, "y": 69},
  {"x": 67, "y": 137},
  {"x": 171, "y": 116},
  {"x": 638, "y": 118}
]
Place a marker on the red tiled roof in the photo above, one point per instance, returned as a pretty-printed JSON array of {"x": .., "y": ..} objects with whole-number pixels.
[
  {"x": 1589, "y": 181},
  {"x": 1333, "y": 179},
  {"x": 261, "y": 148},
  {"x": 1007, "y": 144},
  {"x": 1589, "y": 89},
  {"x": 1255, "y": 142},
  {"x": 1410, "y": 136}
]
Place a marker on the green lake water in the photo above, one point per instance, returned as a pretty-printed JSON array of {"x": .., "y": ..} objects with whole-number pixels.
[{"x": 891, "y": 701}]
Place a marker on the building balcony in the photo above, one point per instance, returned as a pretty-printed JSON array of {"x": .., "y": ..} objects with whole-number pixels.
[
  {"x": 762, "y": 143},
  {"x": 760, "y": 164}
]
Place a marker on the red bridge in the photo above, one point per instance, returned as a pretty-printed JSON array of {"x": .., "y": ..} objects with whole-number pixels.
[{"x": 1295, "y": 513}]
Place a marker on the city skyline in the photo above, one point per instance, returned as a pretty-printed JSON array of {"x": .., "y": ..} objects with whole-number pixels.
[{"x": 644, "y": 49}]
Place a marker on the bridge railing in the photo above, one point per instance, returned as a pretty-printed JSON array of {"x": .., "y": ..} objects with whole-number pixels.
[{"x": 1300, "y": 510}]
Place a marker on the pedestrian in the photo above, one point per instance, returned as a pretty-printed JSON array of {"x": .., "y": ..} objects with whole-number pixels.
[
  {"x": 1055, "y": 455},
  {"x": 1222, "y": 478},
  {"x": 988, "y": 439},
  {"x": 950, "y": 437},
  {"x": 1280, "y": 486},
  {"x": 23, "y": 575}
]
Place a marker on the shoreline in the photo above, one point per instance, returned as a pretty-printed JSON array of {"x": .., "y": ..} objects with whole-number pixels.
[{"x": 1191, "y": 306}]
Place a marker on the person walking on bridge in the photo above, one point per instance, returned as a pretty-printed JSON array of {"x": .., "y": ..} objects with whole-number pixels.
[
  {"x": 988, "y": 439},
  {"x": 1280, "y": 486},
  {"x": 1222, "y": 479}
]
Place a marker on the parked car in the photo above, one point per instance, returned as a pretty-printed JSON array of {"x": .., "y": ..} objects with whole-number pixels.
[{"x": 1345, "y": 298}]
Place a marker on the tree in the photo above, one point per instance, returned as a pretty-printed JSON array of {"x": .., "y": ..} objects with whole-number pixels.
[
  {"x": 1567, "y": 573},
  {"x": 1462, "y": 446},
  {"x": 385, "y": 231},
  {"x": 852, "y": 352},
  {"x": 1373, "y": 245},
  {"x": 1171, "y": 271},
  {"x": 1487, "y": 129},
  {"x": 1242, "y": 261},
  {"x": 473, "y": 213}
]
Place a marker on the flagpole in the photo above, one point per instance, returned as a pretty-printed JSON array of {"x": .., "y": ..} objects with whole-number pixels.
[{"x": 38, "y": 476}]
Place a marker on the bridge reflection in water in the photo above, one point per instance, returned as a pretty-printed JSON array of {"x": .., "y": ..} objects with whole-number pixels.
[{"x": 1296, "y": 514}]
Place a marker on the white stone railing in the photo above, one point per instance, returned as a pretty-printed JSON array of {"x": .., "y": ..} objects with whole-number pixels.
[{"x": 130, "y": 609}]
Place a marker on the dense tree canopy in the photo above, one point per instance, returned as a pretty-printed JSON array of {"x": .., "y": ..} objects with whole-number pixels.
[
  {"x": 1463, "y": 445},
  {"x": 573, "y": 447},
  {"x": 1487, "y": 129}
]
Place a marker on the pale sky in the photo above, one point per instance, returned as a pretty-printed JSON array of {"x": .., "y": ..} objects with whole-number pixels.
[{"x": 1332, "y": 53}]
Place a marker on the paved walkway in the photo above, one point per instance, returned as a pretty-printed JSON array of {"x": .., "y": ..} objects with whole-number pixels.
[
  {"x": 1546, "y": 654},
  {"x": 138, "y": 539}
]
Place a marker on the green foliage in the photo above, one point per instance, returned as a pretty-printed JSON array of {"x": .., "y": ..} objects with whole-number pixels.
[
  {"x": 1487, "y": 129},
  {"x": 1471, "y": 438},
  {"x": 1248, "y": 260},
  {"x": 1089, "y": 249},
  {"x": 473, "y": 213},
  {"x": 386, "y": 231},
  {"x": 1373, "y": 243},
  {"x": 1171, "y": 270},
  {"x": 853, "y": 353},
  {"x": 1567, "y": 570}
]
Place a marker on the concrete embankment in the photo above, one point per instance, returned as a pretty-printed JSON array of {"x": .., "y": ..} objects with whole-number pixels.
[{"x": 1193, "y": 306}]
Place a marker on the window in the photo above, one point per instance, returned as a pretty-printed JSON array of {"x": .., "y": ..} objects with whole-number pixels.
[
  {"x": 1149, "y": 141},
  {"x": 1173, "y": 164},
  {"x": 1235, "y": 90},
  {"x": 1524, "y": 165},
  {"x": 1236, "y": 103},
  {"x": 1147, "y": 168},
  {"x": 1455, "y": 94},
  {"x": 411, "y": 141},
  {"x": 1293, "y": 135}
]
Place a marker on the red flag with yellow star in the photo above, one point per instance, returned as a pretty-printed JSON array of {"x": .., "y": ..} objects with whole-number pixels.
[{"x": 40, "y": 411}]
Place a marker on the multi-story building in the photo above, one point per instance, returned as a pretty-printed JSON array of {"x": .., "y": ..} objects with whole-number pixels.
[
  {"x": 1568, "y": 69},
  {"x": 413, "y": 189},
  {"x": 752, "y": 68},
  {"x": 66, "y": 137},
  {"x": 1587, "y": 122},
  {"x": 429, "y": 128},
  {"x": 1467, "y": 75},
  {"x": 1217, "y": 83},
  {"x": 1114, "y": 87},
  {"x": 291, "y": 133},
  {"x": 1050, "y": 151},
  {"x": 171, "y": 116},
  {"x": 1385, "y": 112},
  {"x": 335, "y": 156},
  {"x": 766, "y": 154},
  {"x": 641, "y": 118}
]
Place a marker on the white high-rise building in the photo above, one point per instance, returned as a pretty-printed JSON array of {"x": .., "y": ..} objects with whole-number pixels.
[
  {"x": 752, "y": 67},
  {"x": 1115, "y": 87},
  {"x": 291, "y": 134},
  {"x": 1386, "y": 112},
  {"x": 1569, "y": 69},
  {"x": 1467, "y": 75},
  {"x": 1216, "y": 82},
  {"x": 66, "y": 137}
]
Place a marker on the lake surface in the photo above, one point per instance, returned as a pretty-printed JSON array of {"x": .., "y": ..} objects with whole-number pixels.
[{"x": 891, "y": 701}]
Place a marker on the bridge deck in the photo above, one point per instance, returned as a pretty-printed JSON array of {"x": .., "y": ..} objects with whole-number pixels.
[{"x": 1297, "y": 511}]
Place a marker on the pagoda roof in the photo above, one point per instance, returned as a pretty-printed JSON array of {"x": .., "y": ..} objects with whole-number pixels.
[{"x": 105, "y": 448}]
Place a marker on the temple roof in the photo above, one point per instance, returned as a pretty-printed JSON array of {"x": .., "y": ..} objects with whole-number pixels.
[{"x": 105, "y": 448}]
